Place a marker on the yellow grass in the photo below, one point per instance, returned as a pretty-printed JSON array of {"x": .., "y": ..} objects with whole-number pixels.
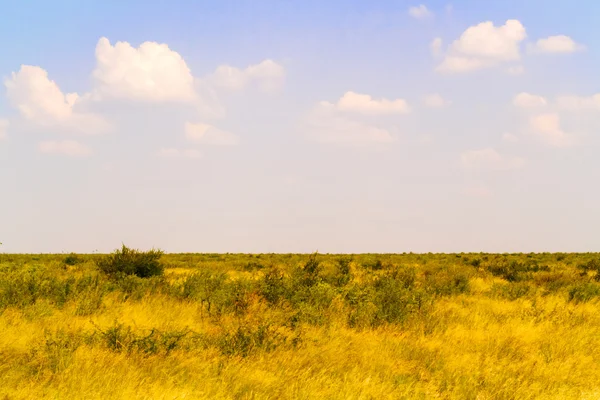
[{"x": 469, "y": 346}]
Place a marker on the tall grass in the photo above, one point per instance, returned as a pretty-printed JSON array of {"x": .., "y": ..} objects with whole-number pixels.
[{"x": 266, "y": 326}]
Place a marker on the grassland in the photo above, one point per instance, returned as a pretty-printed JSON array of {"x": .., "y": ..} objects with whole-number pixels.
[{"x": 231, "y": 326}]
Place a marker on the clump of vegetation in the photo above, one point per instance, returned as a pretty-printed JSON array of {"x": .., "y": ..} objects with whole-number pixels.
[
  {"x": 126, "y": 261},
  {"x": 593, "y": 266},
  {"x": 72, "y": 259}
]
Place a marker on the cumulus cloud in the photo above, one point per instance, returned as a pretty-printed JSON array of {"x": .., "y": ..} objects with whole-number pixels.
[
  {"x": 327, "y": 124},
  {"x": 3, "y": 128},
  {"x": 548, "y": 128},
  {"x": 208, "y": 134},
  {"x": 366, "y": 105},
  {"x": 436, "y": 46},
  {"x": 435, "y": 100},
  {"x": 489, "y": 158},
  {"x": 69, "y": 148},
  {"x": 559, "y": 44},
  {"x": 579, "y": 103},
  {"x": 268, "y": 75},
  {"x": 41, "y": 101},
  {"x": 484, "y": 45},
  {"x": 179, "y": 153},
  {"x": 151, "y": 72},
  {"x": 527, "y": 100},
  {"x": 420, "y": 12}
]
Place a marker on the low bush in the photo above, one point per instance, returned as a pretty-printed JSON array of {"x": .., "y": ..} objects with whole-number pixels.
[
  {"x": 126, "y": 261},
  {"x": 584, "y": 293}
]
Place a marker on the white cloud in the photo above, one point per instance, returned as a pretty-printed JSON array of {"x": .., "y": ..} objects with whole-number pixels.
[
  {"x": 453, "y": 64},
  {"x": 489, "y": 158},
  {"x": 420, "y": 12},
  {"x": 268, "y": 75},
  {"x": 436, "y": 46},
  {"x": 152, "y": 72},
  {"x": 510, "y": 137},
  {"x": 548, "y": 128},
  {"x": 579, "y": 103},
  {"x": 327, "y": 125},
  {"x": 365, "y": 104},
  {"x": 515, "y": 70},
  {"x": 527, "y": 100},
  {"x": 557, "y": 44},
  {"x": 3, "y": 128},
  {"x": 41, "y": 101},
  {"x": 69, "y": 148},
  {"x": 484, "y": 45},
  {"x": 177, "y": 153},
  {"x": 208, "y": 134},
  {"x": 435, "y": 100}
]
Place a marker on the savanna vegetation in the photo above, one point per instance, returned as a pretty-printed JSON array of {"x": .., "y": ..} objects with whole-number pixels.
[{"x": 147, "y": 325}]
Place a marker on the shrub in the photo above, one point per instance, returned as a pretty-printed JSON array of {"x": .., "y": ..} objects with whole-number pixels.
[
  {"x": 344, "y": 274},
  {"x": 396, "y": 299},
  {"x": 511, "y": 271},
  {"x": 591, "y": 266},
  {"x": 584, "y": 293},
  {"x": 72, "y": 259},
  {"x": 447, "y": 281},
  {"x": 245, "y": 340},
  {"x": 273, "y": 286},
  {"x": 128, "y": 261}
]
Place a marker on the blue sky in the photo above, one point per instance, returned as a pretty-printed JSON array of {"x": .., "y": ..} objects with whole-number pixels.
[{"x": 274, "y": 126}]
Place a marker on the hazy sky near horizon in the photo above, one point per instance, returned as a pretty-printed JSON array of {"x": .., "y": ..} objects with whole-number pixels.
[{"x": 297, "y": 126}]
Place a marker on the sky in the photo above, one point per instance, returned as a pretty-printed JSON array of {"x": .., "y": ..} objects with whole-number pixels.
[{"x": 300, "y": 126}]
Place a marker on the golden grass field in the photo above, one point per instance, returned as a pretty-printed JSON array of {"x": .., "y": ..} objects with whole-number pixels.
[{"x": 467, "y": 326}]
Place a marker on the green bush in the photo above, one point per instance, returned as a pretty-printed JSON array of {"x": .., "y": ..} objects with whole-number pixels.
[
  {"x": 126, "y": 261},
  {"x": 584, "y": 293},
  {"x": 273, "y": 286},
  {"x": 593, "y": 266},
  {"x": 72, "y": 259}
]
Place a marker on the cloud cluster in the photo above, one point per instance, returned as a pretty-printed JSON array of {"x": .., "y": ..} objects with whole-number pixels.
[
  {"x": 366, "y": 105},
  {"x": 328, "y": 124},
  {"x": 544, "y": 120},
  {"x": 484, "y": 45},
  {"x": 548, "y": 128},
  {"x": 149, "y": 73},
  {"x": 559, "y": 44},
  {"x": 152, "y": 72},
  {"x": 267, "y": 75},
  {"x": 355, "y": 119},
  {"x": 41, "y": 101},
  {"x": 420, "y": 12}
]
